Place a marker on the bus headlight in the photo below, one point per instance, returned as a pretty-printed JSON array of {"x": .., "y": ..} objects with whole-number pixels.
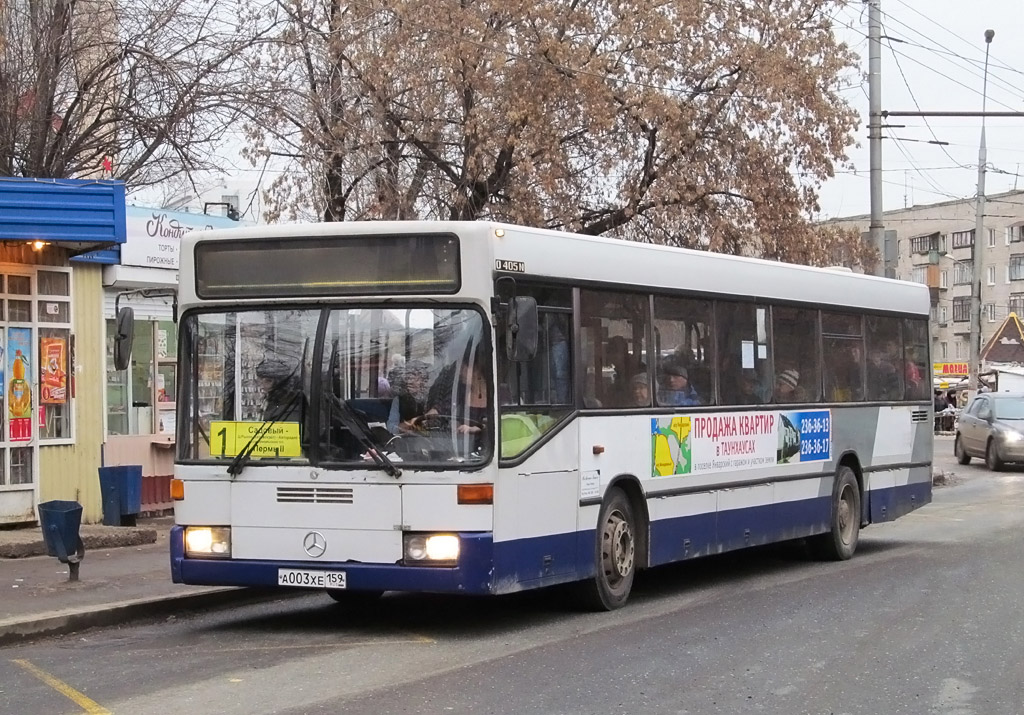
[
  {"x": 431, "y": 549},
  {"x": 208, "y": 542}
]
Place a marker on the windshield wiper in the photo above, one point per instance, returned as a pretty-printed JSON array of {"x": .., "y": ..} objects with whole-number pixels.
[
  {"x": 243, "y": 457},
  {"x": 357, "y": 425}
]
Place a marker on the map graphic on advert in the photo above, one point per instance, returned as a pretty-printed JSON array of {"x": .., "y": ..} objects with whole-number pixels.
[{"x": 715, "y": 442}]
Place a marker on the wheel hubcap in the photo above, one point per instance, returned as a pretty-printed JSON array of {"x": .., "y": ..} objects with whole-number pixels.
[
  {"x": 617, "y": 549},
  {"x": 845, "y": 515}
]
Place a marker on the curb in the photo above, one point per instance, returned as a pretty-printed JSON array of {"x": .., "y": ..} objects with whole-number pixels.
[
  {"x": 22, "y": 629},
  {"x": 94, "y": 541}
]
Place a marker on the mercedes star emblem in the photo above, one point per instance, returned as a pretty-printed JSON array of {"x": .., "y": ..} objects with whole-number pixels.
[{"x": 315, "y": 544}]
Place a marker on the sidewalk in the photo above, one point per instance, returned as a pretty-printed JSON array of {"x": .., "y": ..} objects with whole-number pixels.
[{"x": 125, "y": 574}]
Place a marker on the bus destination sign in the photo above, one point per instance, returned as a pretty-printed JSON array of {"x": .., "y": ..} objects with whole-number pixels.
[{"x": 278, "y": 440}]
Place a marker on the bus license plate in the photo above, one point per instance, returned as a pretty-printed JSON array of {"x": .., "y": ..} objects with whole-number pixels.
[{"x": 307, "y": 578}]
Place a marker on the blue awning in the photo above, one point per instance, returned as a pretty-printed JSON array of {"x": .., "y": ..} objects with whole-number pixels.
[{"x": 80, "y": 214}]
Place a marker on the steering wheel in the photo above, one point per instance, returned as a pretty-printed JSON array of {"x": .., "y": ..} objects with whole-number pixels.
[{"x": 435, "y": 422}]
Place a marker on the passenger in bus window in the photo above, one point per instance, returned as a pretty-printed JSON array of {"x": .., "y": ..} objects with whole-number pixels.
[
  {"x": 676, "y": 389},
  {"x": 466, "y": 397},
  {"x": 751, "y": 391},
  {"x": 560, "y": 363},
  {"x": 282, "y": 395},
  {"x": 883, "y": 373},
  {"x": 408, "y": 382},
  {"x": 787, "y": 387},
  {"x": 618, "y": 390},
  {"x": 641, "y": 390}
]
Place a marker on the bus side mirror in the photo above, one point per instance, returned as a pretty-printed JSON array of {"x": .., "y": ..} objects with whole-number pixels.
[
  {"x": 123, "y": 336},
  {"x": 521, "y": 328}
]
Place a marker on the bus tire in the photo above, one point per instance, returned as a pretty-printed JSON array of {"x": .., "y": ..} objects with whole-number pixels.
[
  {"x": 961, "y": 454},
  {"x": 355, "y": 600},
  {"x": 840, "y": 541},
  {"x": 614, "y": 555}
]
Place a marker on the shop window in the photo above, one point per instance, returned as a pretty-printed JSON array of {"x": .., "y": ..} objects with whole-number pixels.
[
  {"x": 140, "y": 400},
  {"x": 19, "y": 311},
  {"x": 19, "y": 285},
  {"x": 21, "y": 465},
  {"x": 54, "y": 283},
  {"x": 54, "y": 393},
  {"x": 53, "y": 308}
]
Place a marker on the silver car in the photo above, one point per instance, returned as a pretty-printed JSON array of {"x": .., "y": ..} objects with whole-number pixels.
[{"x": 992, "y": 427}]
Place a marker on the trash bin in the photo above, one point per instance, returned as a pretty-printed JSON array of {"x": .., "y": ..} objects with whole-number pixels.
[
  {"x": 61, "y": 521},
  {"x": 121, "y": 492}
]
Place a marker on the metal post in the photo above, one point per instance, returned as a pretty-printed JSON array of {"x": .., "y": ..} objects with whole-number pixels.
[
  {"x": 976, "y": 252},
  {"x": 876, "y": 229}
]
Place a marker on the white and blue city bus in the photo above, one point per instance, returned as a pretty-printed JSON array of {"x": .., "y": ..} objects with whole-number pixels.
[{"x": 478, "y": 408}]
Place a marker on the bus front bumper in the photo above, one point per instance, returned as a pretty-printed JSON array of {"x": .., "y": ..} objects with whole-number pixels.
[{"x": 472, "y": 575}]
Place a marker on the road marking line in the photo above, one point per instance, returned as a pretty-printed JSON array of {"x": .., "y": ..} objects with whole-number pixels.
[
  {"x": 310, "y": 646},
  {"x": 87, "y": 704}
]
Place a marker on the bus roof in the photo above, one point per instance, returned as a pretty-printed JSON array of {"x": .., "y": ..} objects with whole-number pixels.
[{"x": 596, "y": 259}]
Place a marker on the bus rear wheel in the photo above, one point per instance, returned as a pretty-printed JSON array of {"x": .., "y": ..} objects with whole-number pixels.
[
  {"x": 840, "y": 541},
  {"x": 615, "y": 555}
]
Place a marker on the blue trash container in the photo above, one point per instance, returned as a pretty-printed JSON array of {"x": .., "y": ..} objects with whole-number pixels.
[
  {"x": 110, "y": 495},
  {"x": 61, "y": 521},
  {"x": 121, "y": 490}
]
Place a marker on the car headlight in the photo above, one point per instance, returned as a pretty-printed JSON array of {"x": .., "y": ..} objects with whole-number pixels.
[
  {"x": 431, "y": 549},
  {"x": 1011, "y": 436},
  {"x": 208, "y": 542}
]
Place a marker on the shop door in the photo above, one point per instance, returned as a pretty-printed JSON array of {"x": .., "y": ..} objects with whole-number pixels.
[{"x": 18, "y": 371}]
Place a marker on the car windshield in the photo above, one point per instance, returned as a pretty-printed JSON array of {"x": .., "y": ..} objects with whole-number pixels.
[
  {"x": 1009, "y": 408},
  {"x": 392, "y": 386}
]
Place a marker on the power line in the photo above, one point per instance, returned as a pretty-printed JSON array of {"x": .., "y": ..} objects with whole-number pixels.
[
  {"x": 972, "y": 70},
  {"x": 962, "y": 39},
  {"x": 898, "y": 143},
  {"x": 916, "y": 104},
  {"x": 954, "y": 81}
]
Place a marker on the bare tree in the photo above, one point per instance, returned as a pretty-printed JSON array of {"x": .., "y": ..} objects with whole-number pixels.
[
  {"x": 688, "y": 122},
  {"x": 143, "y": 89}
]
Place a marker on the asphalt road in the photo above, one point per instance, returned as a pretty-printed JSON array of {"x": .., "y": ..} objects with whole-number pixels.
[{"x": 924, "y": 619}]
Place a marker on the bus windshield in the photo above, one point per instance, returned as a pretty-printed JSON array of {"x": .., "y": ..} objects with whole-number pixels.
[{"x": 409, "y": 385}]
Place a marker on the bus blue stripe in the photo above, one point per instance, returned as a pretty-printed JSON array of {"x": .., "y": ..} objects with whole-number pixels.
[{"x": 507, "y": 566}]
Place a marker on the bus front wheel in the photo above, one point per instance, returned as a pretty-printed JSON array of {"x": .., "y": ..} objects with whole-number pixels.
[
  {"x": 614, "y": 554},
  {"x": 840, "y": 541}
]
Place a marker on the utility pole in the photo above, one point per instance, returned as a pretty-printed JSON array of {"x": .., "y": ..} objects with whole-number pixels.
[
  {"x": 979, "y": 230},
  {"x": 876, "y": 229}
]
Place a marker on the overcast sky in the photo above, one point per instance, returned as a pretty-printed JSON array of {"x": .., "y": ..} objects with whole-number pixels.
[{"x": 934, "y": 61}]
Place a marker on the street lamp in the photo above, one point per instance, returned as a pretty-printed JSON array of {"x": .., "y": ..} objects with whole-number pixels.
[{"x": 979, "y": 229}]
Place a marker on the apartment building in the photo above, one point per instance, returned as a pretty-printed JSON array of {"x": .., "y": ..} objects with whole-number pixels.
[{"x": 934, "y": 244}]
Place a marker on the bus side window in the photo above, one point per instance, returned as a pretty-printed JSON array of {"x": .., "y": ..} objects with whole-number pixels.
[
  {"x": 795, "y": 343},
  {"x": 744, "y": 376},
  {"x": 843, "y": 343},
  {"x": 533, "y": 396},
  {"x": 917, "y": 372},
  {"x": 683, "y": 330},
  {"x": 615, "y": 325},
  {"x": 885, "y": 369}
]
